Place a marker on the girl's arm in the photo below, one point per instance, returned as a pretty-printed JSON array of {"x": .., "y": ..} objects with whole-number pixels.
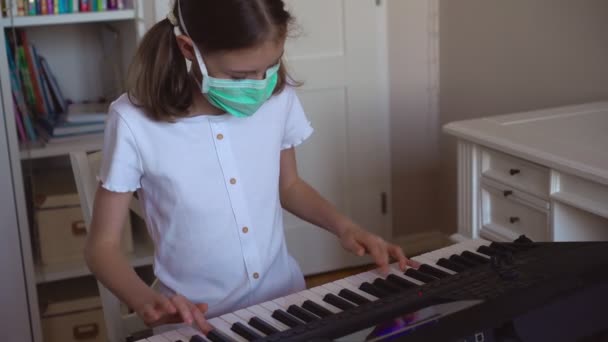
[
  {"x": 300, "y": 199},
  {"x": 106, "y": 260}
]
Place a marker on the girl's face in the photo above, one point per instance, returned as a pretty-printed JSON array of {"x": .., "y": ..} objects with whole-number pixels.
[{"x": 250, "y": 63}]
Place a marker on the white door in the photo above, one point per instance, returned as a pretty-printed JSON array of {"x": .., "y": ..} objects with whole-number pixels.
[{"x": 340, "y": 55}]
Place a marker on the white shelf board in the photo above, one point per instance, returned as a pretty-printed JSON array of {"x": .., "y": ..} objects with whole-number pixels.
[
  {"x": 68, "y": 18},
  {"x": 142, "y": 255},
  {"x": 84, "y": 144}
]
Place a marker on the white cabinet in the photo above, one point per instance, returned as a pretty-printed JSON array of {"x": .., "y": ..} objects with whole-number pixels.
[
  {"x": 541, "y": 173},
  {"x": 71, "y": 44}
]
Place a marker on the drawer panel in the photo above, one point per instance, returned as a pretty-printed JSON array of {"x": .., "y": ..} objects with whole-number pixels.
[
  {"x": 582, "y": 193},
  {"x": 516, "y": 172},
  {"x": 83, "y": 326},
  {"x": 508, "y": 215}
]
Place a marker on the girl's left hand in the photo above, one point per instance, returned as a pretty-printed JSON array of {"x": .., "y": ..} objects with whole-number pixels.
[{"x": 359, "y": 241}]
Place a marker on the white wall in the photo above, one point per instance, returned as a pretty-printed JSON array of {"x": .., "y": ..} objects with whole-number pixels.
[
  {"x": 503, "y": 56},
  {"x": 413, "y": 53}
]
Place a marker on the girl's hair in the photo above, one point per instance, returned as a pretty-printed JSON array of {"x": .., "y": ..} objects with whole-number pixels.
[{"x": 158, "y": 79}]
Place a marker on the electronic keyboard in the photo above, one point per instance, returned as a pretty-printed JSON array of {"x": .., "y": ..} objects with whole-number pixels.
[{"x": 475, "y": 290}]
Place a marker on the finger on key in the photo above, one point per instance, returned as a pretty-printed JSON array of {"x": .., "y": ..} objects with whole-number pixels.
[
  {"x": 199, "y": 317},
  {"x": 181, "y": 303},
  {"x": 397, "y": 253}
]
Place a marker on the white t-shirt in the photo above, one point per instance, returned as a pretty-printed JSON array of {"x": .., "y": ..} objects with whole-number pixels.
[{"x": 209, "y": 187}]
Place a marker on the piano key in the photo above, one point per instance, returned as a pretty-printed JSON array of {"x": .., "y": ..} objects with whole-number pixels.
[
  {"x": 233, "y": 319},
  {"x": 197, "y": 339},
  {"x": 346, "y": 285},
  {"x": 287, "y": 301},
  {"x": 462, "y": 261},
  {"x": 394, "y": 269},
  {"x": 318, "y": 300},
  {"x": 338, "y": 302},
  {"x": 247, "y": 333},
  {"x": 260, "y": 323},
  {"x": 433, "y": 271},
  {"x": 174, "y": 336},
  {"x": 216, "y": 336},
  {"x": 302, "y": 314},
  {"x": 443, "y": 262},
  {"x": 223, "y": 327},
  {"x": 504, "y": 247},
  {"x": 286, "y": 318},
  {"x": 401, "y": 281},
  {"x": 316, "y": 309},
  {"x": 263, "y": 326},
  {"x": 419, "y": 276},
  {"x": 373, "y": 290},
  {"x": 386, "y": 286},
  {"x": 266, "y": 315},
  {"x": 353, "y": 297},
  {"x": 158, "y": 338},
  {"x": 476, "y": 257},
  {"x": 190, "y": 332},
  {"x": 335, "y": 290},
  {"x": 424, "y": 260}
]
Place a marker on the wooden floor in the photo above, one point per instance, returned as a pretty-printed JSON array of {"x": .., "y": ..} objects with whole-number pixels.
[{"x": 320, "y": 279}]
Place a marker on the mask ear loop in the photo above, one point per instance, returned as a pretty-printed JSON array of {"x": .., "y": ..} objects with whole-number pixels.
[{"x": 199, "y": 57}]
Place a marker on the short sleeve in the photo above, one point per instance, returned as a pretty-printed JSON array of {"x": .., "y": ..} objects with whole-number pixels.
[
  {"x": 121, "y": 168},
  {"x": 297, "y": 125}
]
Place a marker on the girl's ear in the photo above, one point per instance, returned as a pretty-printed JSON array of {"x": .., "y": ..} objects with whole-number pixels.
[{"x": 186, "y": 46}]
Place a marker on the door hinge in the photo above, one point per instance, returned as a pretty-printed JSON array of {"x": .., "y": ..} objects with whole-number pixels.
[{"x": 384, "y": 203}]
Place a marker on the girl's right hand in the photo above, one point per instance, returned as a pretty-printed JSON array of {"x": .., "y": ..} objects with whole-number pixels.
[{"x": 159, "y": 310}]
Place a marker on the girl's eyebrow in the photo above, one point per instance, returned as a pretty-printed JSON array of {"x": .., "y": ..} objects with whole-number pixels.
[{"x": 255, "y": 71}]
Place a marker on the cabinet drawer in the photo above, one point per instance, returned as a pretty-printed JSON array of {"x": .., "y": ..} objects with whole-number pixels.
[
  {"x": 74, "y": 321},
  {"x": 507, "y": 214},
  {"x": 516, "y": 172},
  {"x": 61, "y": 229}
]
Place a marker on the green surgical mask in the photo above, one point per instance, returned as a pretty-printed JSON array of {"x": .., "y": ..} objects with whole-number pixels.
[{"x": 241, "y": 98}]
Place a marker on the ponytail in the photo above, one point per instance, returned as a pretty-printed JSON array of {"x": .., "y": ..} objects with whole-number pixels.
[{"x": 158, "y": 79}]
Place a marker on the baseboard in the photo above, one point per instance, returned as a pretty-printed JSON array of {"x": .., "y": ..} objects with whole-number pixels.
[{"x": 415, "y": 244}]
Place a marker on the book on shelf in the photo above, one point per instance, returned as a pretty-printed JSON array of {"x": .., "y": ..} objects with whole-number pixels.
[
  {"x": 46, "y": 7},
  {"x": 42, "y": 113}
]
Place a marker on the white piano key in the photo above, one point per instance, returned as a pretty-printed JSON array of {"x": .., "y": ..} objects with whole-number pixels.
[
  {"x": 175, "y": 336},
  {"x": 232, "y": 318},
  {"x": 319, "y": 300},
  {"x": 144, "y": 340},
  {"x": 188, "y": 332},
  {"x": 354, "y": 280},
  {"x": 293, "y": 299},
  {"x": 369, "y": 276},
  {"x": 224, "y": 328},
  {"x": 345, "y": 284},
  {"x": 271, "y": 306},
  {"x": 158, "y": 338},
  {"x": 465, "y": 247},
  {"x": 424, "y": 260},
  {"x": 265, "y": 315}
]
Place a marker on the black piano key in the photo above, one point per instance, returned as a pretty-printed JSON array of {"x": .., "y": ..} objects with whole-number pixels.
[
  {"x": 435, "y": 272},
  {"x": 316, "y": 308},
  {"x": 488, "y": 251},
  {"x": 245, "y": 332},
  {"x": 462, "y": 261},
  {"x": 388, "y": 287},
  {"x": 401, "y": 282},
  {"x": 216, "y": 336},
  {"x": 353, "y": 297},
  {"x": 452, "y": 266},
  {"x": 197, "y": 338},
  {"x": 263, "y": 326},
  {"x": 286, "y": 318},
  {"x": 338, "y": 302},
  {"x": 476, "y": 257},
  {"x": 425, "y": 278},
  {"x": 373, "y": 290},
  {"x": 301, "y": 313}
]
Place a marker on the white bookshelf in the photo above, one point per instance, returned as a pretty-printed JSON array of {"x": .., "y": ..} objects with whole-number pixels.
[
  {"x": 66, "y": 19},
  {"x": 68, "y": 42}
]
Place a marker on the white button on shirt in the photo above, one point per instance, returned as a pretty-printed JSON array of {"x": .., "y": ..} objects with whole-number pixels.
[{"x": 210, "y": 192}]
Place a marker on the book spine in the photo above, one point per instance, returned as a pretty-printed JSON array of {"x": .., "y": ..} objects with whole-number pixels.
[
  {"x": 84, "y": 5},
  {"x": 75, "y": 6},
  {"x": 21, "y": 7},
  {"x": 31, "y": 7},
  {"x": 121, "y": 4},
  {"x": 56, "y": 6},
  {"x": 44, "y": 9}
]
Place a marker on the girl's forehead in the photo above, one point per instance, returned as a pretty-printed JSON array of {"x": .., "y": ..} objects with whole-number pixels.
[{"x": 252, "y": 59}]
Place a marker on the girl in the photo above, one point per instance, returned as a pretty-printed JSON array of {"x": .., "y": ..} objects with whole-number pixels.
[{"x": 210, "y": 152}]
